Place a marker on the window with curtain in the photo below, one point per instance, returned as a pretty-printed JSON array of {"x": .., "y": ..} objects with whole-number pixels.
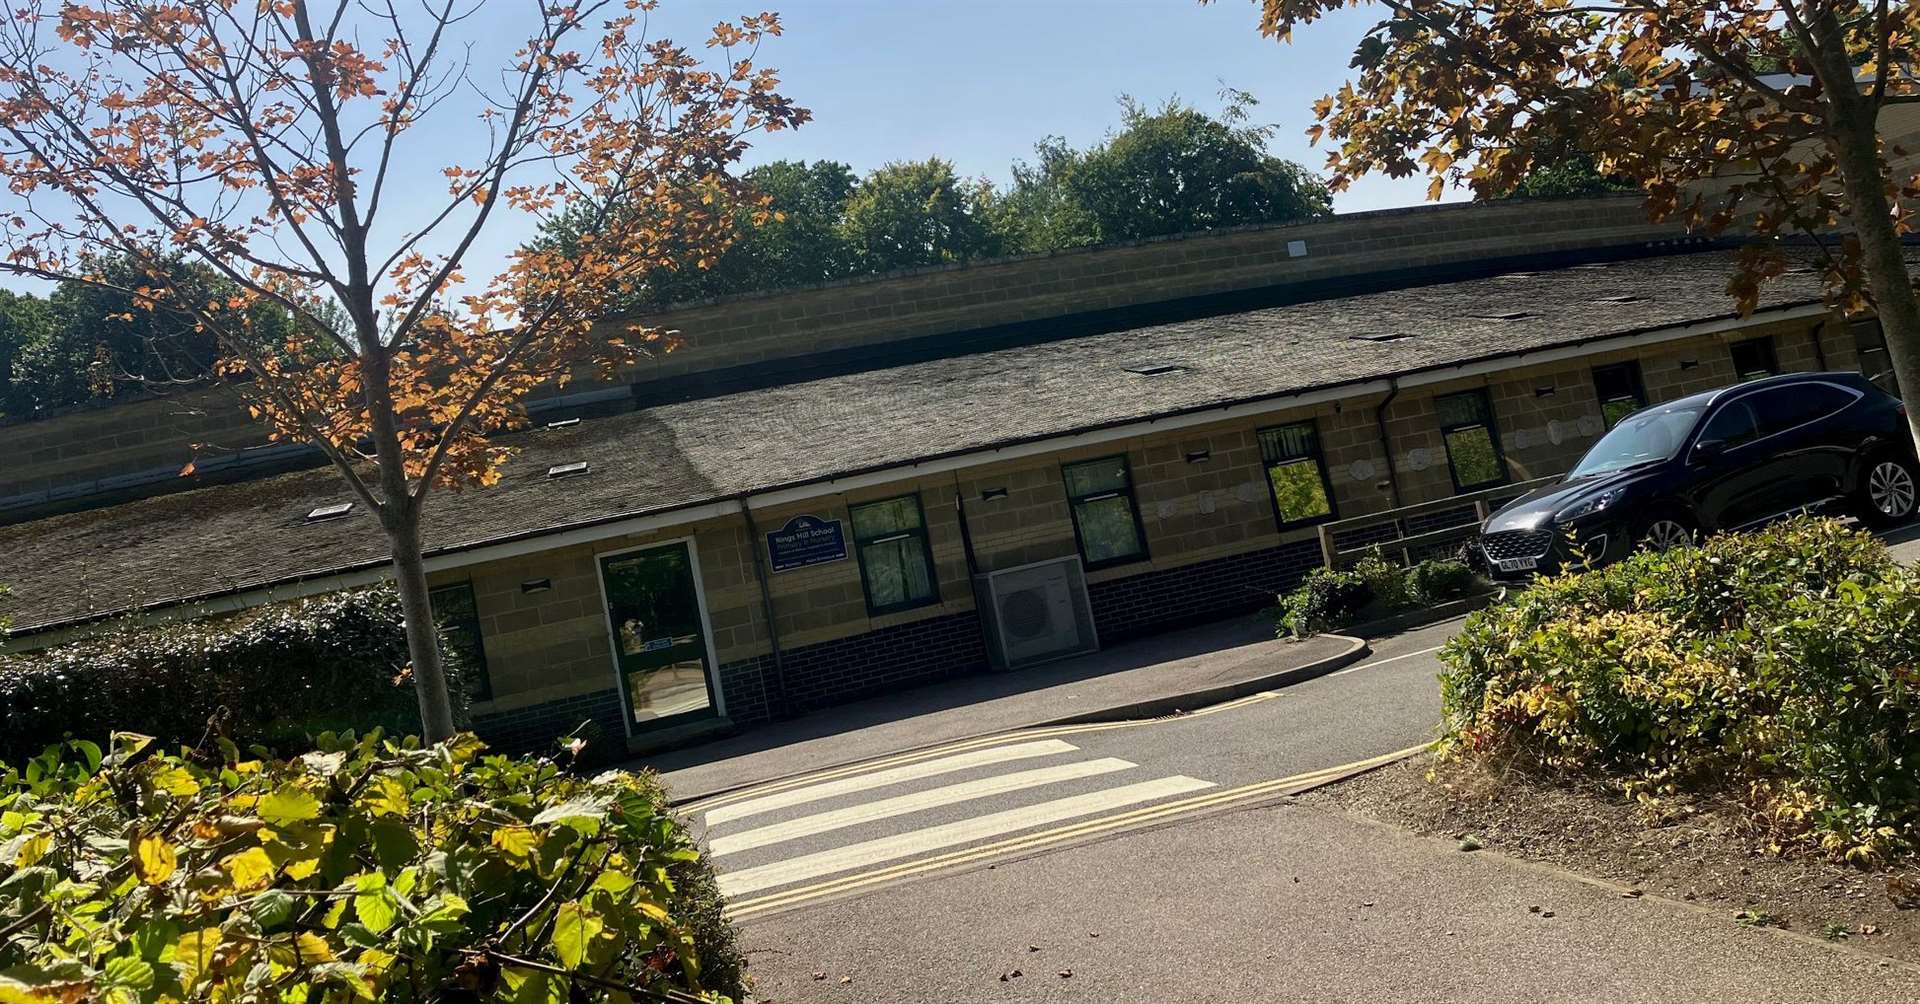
[
  {"x": 896, "y": 559},
  {"x": 1105, "y": 519}
]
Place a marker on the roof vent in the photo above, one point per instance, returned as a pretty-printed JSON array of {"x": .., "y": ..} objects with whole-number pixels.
[
  {"x": 1392, "y": 337},
  {"x": 1622, "y": 298},
  {"x": 1517, "y": 275},
  {"x": 563, "y": 423},
  {"x": 568, "y": 470},
  {"x": 1158, "y": 369},
  {"x": 1594, "y": 266},
  {"x": 327, "y": 512},
  {"x": 1511, "y": 315}
]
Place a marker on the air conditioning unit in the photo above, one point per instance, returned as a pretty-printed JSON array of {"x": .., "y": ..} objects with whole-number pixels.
[{"x": 1036, "y": 612}]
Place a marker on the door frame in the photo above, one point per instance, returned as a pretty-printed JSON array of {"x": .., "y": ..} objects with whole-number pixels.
[{"x": 715, "y": 692}]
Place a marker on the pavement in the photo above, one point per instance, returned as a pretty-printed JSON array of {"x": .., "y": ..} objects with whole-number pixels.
[
  {"x": 1151, "y": 676},
  {"x": 1290, "y": 903}
]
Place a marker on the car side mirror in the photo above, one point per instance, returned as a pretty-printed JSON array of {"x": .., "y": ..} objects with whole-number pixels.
[{"x": 1708, "y": 449}]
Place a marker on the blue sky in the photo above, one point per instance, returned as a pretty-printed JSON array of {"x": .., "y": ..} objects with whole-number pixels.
[
  {"x": 974, "y": 81},
  {"x": 979, "y": 81}
]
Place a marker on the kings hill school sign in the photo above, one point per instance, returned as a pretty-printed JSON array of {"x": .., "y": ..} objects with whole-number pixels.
[{"x": 804, "y": 541}]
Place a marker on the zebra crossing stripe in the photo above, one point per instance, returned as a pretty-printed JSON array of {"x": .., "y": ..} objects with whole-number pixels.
[
  {"x": 901, "y": 805},
  {"x": 933, "y": 838},
  {"x": 889, "y": 776}
]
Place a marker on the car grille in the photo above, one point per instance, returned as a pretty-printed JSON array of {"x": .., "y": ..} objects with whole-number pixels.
[{"x": 1507, "y": 544}]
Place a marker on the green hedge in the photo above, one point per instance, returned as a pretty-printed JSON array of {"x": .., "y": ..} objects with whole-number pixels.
[
  {"x": 1777, "y": 668},
  {"x": 273, "y": 675},
  {"x": 1374, "y": 587},
  {"x": 366, "y": 871}
]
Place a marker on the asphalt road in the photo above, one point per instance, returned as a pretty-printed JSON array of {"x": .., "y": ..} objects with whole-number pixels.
[{"x": 852, "y": 830}]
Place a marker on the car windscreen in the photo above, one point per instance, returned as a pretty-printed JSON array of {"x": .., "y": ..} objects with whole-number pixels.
[{"x": 1646, "y": 438}]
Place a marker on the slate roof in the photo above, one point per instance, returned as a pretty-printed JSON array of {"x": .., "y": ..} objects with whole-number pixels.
[{"x": 229, "y": 538}]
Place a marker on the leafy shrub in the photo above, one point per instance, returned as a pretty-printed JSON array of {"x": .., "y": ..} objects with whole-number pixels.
[
  {"x": 1777, "y": 666},
  {"x": 1385, "y": 580},
  {"x": 1322, "y": 600},
  {"x": 271, "y": 675},
  {"x": 371, "y": 871},
  {"x": 1439, "y": 580}
]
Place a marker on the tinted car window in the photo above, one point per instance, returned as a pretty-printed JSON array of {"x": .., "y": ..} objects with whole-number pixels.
[
  {"x": 1787, "y": 407},
  {"x": 1646, "y": 437},
  {"x": 1733, "y": 424}
]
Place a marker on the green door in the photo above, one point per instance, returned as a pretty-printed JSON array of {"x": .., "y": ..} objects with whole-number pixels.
[{"x": 658, "y": 637}]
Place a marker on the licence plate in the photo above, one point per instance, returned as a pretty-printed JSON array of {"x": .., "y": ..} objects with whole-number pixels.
[{"x": 1517, "y": 564}]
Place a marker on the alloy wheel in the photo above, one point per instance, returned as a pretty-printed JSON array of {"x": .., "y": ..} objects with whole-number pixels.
[
  {"x": 1890, "y": 489},
  {"x": 1667, "y": 534}
]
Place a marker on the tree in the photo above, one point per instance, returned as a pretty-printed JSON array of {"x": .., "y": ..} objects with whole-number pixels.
[
  {"x": 1176, "y": 170},
  {"x": 910, "y": 214},
  {"x": 1761, "y": 114},
  {"x": 268, "y": 142},
  {"x": 798, "y": 243}
]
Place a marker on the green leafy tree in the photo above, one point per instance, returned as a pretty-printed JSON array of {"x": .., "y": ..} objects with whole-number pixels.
[
  {"x": 1040, "y": 211},
  {"x": 798, "y": 242},
  {"x": 1168, "y": 170},
  {"x": 911, "y": 214}
]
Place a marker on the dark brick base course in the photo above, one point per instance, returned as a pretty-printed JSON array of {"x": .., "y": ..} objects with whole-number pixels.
[
  {"x": 1197, "y": 593},
  {"x": 848, "y": 669},
  {"x": 533, "y": 729}
]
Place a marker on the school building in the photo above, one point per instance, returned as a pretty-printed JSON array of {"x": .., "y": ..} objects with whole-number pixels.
[{"x": 840, "y": 491}]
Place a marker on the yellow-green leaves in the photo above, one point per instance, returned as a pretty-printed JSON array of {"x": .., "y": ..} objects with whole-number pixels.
[
  {"x": 574, "y": 929},
  {"x": 360, "y": 874},
  {"x": 153, "y": 858},
  {"x": 288, "y": 804},
  {"x": 248, "y": 870}
]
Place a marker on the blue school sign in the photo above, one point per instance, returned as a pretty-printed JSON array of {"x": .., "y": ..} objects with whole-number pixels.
[{"x": 806, "y": 540}]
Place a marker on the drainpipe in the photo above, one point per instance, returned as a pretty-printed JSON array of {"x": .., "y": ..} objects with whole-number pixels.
[
  {"x": 1386, "y": 445},
  {"x": 777, "y": 700},
  {"x": 1819, "y": 351},
  {"x": 966, "y": 535}
]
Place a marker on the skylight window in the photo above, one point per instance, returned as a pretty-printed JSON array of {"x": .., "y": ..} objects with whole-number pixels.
[
  {"x": 1511, "y": 315},
  {"x": 327, "y": 512},
  {"x": 1157, "y": 369},
  {"x": 1622, "y": 298},
  {"x": 1384, "y": 337},
  {"x": 567, "y": 470},
  {"x": 1517, "y": 275},
  {"x": 565, "y": 423}
]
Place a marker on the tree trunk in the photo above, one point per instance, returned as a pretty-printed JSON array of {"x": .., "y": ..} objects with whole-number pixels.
[
  {"x": 423, "y": 642},
  {"x": 1884, "y": 261},
  {"x": 1854, "y": 128}
]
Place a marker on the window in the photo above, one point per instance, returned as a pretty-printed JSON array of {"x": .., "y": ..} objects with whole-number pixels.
[
  {"x": 1473, "y": 449},
  {"x": 1296, "y": 474},
  {"x": 1787, "y": 408},
  {"x": 1732, "y": 425},
  {"x": 457, "y": 617},
  {"x": 1754, "y": 358},
  {"x": 1620, "y": 390},
  {"x": 1105, "y": 520},
  {"x": 896, "y": 559},
  {"x": 1871, "y": 344}
]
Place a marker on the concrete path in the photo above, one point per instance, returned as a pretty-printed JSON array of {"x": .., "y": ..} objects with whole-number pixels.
[
  {"x": 1125, "y": 681},
  {"x": 1290, "y": 903}
]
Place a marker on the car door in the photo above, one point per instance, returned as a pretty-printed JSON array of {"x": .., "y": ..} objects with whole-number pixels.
[
  {"x": 1807, "y": 451},
  {"x": 1732, "y": 485}
]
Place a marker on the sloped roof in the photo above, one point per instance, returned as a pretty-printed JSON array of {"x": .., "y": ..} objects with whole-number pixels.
[{"x": 236, "y": 537}]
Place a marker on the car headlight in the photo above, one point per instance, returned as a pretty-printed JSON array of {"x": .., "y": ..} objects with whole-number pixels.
[{"x": 1589, "y": 506}]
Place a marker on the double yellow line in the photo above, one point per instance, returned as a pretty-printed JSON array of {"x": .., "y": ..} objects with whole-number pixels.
[
  {"x": 745, "y": 908},
  {"x": 962, "y": 746}
]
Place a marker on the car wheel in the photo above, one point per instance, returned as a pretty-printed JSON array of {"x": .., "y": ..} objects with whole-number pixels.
[
  {"x": 1888, "y": 490},
  {"x": 1664, "y": 533}
]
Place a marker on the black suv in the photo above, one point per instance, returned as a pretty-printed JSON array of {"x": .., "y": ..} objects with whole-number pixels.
[{"x": 1723, "y": 460}]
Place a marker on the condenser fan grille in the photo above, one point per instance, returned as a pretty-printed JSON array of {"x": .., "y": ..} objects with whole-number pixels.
[{"x": 1024, "y": 614}]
